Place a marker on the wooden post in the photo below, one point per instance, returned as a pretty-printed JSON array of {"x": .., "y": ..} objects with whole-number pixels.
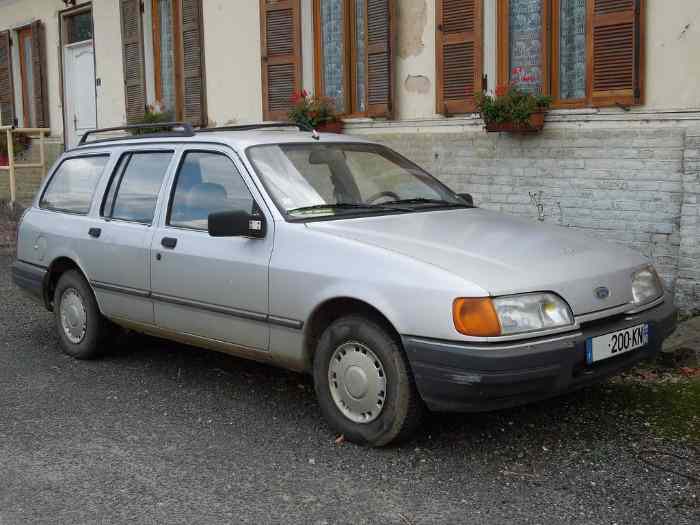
[{"x": 11, "y": 165}]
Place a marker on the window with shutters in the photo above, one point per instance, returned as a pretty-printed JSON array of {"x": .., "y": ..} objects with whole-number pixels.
[
  {"x": 354, "y": 55},
  {"x": 28, "y": 107},
  {"x": 168, "y": 35},
  {"x": 581, "y": 52}
]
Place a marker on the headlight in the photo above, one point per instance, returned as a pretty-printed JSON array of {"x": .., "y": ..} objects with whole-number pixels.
[
  {"x": 508, "y": 315},
  {"x": 646, "y": 285}
]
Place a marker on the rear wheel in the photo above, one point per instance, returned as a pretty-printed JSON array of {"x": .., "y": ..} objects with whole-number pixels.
[
  {"x": 364, "y": 384},
  {"x": 81, "y": 327}
]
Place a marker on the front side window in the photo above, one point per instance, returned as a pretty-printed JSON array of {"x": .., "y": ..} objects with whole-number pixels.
[
  {"x": 326, "y": 180},
  {"x": 135, "y": 185},
  {"x": 207, "y": 183},
  {"x": 73, "y": 184}
]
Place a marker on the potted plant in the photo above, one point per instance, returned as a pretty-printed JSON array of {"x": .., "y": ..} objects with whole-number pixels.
[
  {"x": 154, "y": 115},
  {"x": 511, "y": 109},
  {"x": 312, "y": 111},
  {"x": 20, "y": 142}
]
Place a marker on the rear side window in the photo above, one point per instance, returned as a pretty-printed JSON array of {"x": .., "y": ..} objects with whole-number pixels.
[
  {"x": 133, "y": 191},
  {"x": 207, "y": 183},
  {"x": 73, "y": 184}
]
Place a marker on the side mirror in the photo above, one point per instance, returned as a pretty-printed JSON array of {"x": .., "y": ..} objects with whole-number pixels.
[
  {"x": 466, "y": 197},
  {"x": 237, "y": 224}
]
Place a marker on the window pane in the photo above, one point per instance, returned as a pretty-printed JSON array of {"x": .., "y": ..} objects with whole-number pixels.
[
  {"x": 79, "y": 27},
  {"x": 138, "y": 189},
  {"x": 28, "y": 69},
  {"x": 72, "y": 186},
  {"x": 207, "y": 183},
  {"x": 360, "y": 24},
  {"x": 572, "y": 49},
  {"x": 332, "y": 32},
  {"x": 167, "y": 57},
  {"x": 526, "y": 44}
]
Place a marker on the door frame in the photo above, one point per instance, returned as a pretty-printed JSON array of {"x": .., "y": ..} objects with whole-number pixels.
[{"x": 62, "y": 16}]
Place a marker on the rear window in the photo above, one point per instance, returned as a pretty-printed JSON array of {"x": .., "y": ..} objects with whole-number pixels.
[{"x": 73, "y": 184}]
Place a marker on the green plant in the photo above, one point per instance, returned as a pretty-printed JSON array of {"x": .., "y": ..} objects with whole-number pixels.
[
  {"x": 510, "y": 104},
  {"x": 309, "y": 111},
  {"x": 154, "y": 115},
  {"x": 20, "y": 141}
]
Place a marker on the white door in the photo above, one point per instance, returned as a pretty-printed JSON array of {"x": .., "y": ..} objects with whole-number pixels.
[{"x": 79, "y": 90}]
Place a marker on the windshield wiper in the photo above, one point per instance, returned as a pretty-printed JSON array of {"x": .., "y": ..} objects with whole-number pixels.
[
  {"x": 423, "y": 200},
  {"x": 344, "y": 206}
]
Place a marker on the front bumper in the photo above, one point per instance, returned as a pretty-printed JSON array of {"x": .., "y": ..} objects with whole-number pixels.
[{"x": 474, "y": 377}]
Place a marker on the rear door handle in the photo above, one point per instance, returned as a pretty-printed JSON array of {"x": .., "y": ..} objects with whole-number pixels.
[
  {"x": 95, "y": 232},
  {"x": 168, "y": 242}
]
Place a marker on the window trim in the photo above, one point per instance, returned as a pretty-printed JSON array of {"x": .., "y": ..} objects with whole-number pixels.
[
  {"x": 50, "y": 180},
  {"x": 177, "y": 56},
  {"x": 349, "y": 58},
  {"x": 551, "y": 55},
  {"x": 119, "y": 170},
  {"x": 26, "y": 91},
  {"x": 176, "y": 177}
]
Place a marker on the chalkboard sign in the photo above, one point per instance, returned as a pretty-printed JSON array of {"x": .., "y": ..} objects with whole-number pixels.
[
  {"x": 526, "y": 44},
  {"x": 572, "y": 49}
]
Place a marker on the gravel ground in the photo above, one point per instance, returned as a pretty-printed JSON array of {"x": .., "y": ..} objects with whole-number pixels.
[{"x": 159, "y": 432}]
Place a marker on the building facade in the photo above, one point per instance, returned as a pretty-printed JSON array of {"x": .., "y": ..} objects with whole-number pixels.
[{"x": 619, "y": 156}]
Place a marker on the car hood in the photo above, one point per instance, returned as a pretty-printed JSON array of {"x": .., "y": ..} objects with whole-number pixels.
[{"x": 503, "y": 254}]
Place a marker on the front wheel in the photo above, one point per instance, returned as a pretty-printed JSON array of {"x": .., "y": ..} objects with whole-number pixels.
[{"x": 364, "y": 384}]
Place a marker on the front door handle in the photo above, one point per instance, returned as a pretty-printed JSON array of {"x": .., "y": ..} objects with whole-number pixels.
[
  {"x": 168, "y": 242},
  {"x": 95, "y": 232}
]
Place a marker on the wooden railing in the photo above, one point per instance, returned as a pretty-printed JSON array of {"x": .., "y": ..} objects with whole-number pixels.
[{"x": 6, "y": 133}]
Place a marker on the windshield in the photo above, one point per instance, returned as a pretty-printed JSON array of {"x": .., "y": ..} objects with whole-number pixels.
[{"x": 324, "y": 180}]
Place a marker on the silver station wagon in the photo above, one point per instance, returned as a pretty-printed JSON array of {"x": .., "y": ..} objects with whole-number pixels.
[{"x": 335, "y": 256}]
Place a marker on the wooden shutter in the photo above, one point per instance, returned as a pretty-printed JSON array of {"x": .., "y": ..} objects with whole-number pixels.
[
  {"x": 132, "y": 51},
  {"x": 459, "y": 54},
  {"x": 194, "y": 95},
  {"x": 615, "y": 50},
  {"x": 280, "y": 33},
  {"x": 7, "y": 92},
  {"x": 379, "y": 57},
  {"x": 40, "y": 88}
]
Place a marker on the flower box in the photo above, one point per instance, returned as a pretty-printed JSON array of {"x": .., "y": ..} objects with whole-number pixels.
[
  {"x": 534, "y": 124},
  {"x": 330, "y": 127}
]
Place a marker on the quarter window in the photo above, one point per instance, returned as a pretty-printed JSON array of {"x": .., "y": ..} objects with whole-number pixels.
[
  {"x": 207, "y": 183},
  {"x": 133, "y": 190},
  {"x": 73, "y": 184}
]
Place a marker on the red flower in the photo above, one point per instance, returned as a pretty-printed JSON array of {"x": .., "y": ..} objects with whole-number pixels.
[{"x": 304, "y": 94}]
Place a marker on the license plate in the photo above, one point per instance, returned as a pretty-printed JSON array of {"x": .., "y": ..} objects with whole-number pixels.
[{"x": 616, "y": 343}]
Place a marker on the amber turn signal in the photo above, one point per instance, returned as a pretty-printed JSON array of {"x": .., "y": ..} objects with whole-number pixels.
[{"x": 476, "y": 316}]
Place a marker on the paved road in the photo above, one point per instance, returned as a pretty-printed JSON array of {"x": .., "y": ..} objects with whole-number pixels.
[{"x": 165, "y": 433}]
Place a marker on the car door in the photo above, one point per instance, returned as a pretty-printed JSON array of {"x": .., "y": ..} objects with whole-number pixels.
[
  {"x": 117, "y": 244},
  {"x": 216, "y": 288}
]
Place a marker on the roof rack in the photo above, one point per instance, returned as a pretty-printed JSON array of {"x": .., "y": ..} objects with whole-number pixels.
[
  {"x": 171, "y": 128},
  {"x": 262, "y": 125}
]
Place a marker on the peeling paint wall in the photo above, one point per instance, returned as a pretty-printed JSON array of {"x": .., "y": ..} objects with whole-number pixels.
[{"x": 415, "y": 59}]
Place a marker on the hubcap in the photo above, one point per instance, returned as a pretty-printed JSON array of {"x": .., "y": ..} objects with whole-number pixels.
[
  {"x": 357, "y": 382},
  {"x": 73, "y": 316}
]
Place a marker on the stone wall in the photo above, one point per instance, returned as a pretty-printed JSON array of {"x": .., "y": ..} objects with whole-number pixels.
[{"x": 635, "y": 185}]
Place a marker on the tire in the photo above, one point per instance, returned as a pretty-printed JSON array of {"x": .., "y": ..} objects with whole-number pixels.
[
  {"x": 376, "y": 401},
  {"x": 81, "y": 328}
]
